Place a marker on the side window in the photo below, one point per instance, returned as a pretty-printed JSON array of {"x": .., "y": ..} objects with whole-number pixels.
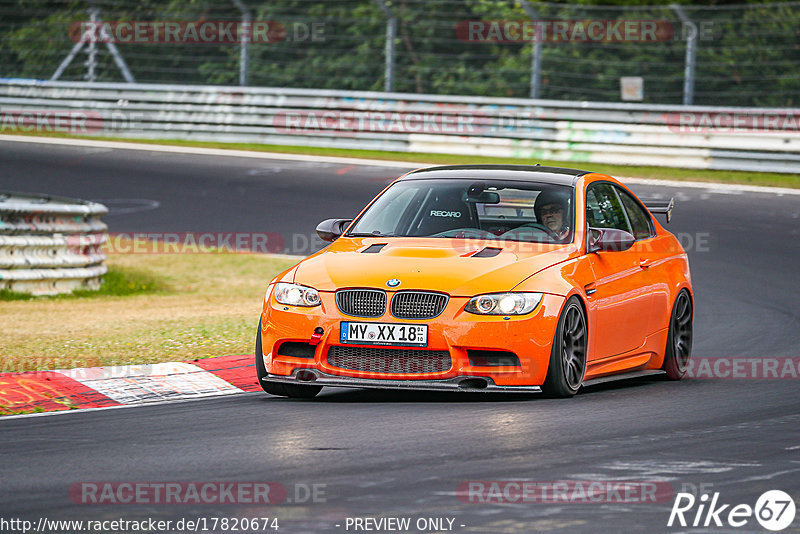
[
  {"x": 638, "y": 217},
  {"x": 603, "y": 209}
]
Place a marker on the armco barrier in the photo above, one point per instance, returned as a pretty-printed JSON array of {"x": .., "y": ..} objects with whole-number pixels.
[
  {"x": 50, "y": 244},
  {"x": 697, "y": 137}
]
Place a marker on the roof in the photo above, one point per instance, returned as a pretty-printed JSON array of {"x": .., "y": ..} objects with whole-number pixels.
[{"x": 532, "y": 173}]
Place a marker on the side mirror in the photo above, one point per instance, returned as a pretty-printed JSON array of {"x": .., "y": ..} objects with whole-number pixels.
[
  {"x": 609, "y": 239},
  {"x": 330, "y": 229}
]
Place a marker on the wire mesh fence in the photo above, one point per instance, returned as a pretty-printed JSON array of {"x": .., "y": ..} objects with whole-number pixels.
[{"x": 735, "y": 55}]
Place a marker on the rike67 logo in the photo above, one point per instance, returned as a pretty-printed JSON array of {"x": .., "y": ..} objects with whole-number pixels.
[{"x": 774, "y": 510}]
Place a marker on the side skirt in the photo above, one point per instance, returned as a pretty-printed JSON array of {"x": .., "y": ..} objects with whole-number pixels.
[{"x": 621, "y": 376}]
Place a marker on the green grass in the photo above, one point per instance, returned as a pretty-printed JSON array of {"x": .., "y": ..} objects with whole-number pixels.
[
  {"x": 121, "y": 281},
  {"x": 67, "y": 402},
  {"x": 7, "y": 295},
  {"x": 151, "y": 308},
  {"x": 629, "y": 171},
  {"x": 117, "y": 282},
  {"x": 8, "y": 411}
]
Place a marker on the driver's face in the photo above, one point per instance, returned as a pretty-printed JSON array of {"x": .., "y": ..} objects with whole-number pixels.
[{"x": 553, "y": 216}]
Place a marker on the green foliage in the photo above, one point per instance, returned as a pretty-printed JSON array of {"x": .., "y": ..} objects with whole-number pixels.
[
  {"x": 120, "y": 282},
  {"x": 117, "y": 282},
  {"x": 746, "y": 55}
]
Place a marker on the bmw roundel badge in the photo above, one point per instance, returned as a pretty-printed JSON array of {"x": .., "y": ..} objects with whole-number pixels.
[{"x": 394, "y": 282}]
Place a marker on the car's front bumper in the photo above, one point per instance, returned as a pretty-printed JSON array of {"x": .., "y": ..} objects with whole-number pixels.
[
  {"x": 529, "y": 337},
  {"x": 467, "y": 384}
]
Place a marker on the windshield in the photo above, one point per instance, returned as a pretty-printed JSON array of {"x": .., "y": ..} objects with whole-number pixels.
[{"x": 471, "y": 209}]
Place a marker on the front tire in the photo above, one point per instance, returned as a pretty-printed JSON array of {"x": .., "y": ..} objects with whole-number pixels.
[
  {"x": 679, "y": 338},
  {"x": 294, "y": 391},
  {"x": 568, "y": 354}
]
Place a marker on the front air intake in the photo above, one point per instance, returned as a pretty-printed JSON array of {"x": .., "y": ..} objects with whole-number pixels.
[
  {"x": 492, "y": 358},
  {"x": 385, "y": 360},
  {"x": 298, "y": 349},
  {"x": 361, "y": 302},
  {"x": 488, "y": 252},
  {"x": 374, "y": 249},
  {"x": 418, "y": 304}
]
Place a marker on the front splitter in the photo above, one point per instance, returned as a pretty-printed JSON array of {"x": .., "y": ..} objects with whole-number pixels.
[{"x": 464, "y": 384}]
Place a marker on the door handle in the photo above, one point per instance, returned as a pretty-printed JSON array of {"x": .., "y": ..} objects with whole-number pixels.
[{"x": 645, "y": 263}]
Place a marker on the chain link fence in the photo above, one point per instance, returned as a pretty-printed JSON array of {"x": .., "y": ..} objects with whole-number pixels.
[{"x": 731, "y": 55}]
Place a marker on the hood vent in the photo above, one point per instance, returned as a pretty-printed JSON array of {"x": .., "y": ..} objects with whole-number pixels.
[
  {"x": 488, "y": 252},
  {"x": 374, "y": 249}
]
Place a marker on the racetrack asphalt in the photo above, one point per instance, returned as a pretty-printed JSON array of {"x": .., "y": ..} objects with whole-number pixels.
[{"x": 380, "y": 453}]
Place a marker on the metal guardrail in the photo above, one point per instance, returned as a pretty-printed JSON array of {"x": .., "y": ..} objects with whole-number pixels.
[
  {"x": 50, "y": 245},
  {"x": 698, "y": 137}
]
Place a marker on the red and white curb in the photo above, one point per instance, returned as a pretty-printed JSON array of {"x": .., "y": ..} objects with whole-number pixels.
[{"x": 125, "y": 385}]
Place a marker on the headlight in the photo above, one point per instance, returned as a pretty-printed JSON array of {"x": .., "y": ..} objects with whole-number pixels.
[
  {"x": 503, "y": 303},
  {"x": 296, "y": 295}
]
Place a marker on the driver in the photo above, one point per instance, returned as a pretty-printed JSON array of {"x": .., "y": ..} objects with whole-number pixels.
[{"x": 551, "y": 211}]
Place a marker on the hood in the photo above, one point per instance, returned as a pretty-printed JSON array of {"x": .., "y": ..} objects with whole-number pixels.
[{"x": 454, "y": 266}]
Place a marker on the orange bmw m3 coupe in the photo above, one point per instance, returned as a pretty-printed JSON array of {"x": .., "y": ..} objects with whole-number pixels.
[{"x": 483, "y": 278}]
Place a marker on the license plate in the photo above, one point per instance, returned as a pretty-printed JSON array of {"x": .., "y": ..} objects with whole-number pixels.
[{"x": 407, "y": 335}]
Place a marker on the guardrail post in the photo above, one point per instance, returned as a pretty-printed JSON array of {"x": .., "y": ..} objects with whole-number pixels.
[
  {"x": 691, "y": 53},
  {"x": 536, "y": 55},
  {"x": 391, "y": 33},
  {"x": 244, "y": 50}
]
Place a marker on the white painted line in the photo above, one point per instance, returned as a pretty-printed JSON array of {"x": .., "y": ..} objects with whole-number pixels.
[
  {"x": 710, "y": 186},
  {"x": 214, "y": 151},
  {"x": 769, "y": 476}
]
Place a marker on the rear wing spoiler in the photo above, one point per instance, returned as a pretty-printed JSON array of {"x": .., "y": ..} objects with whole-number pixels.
[{"x": 660, "y": 207}]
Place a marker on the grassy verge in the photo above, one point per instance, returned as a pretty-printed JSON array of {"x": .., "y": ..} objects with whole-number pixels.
[
  {"x": 153, "y": 308},
  {"x": 4, "y": 410},
  {"x": 117, "y": 282},
  {"x": 662, "y": 173}
]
